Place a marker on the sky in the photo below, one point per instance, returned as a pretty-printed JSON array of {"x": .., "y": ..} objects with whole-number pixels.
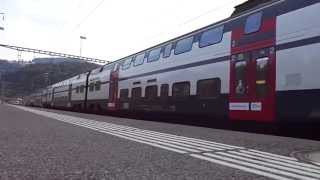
[{"x": 114, "y": 28}]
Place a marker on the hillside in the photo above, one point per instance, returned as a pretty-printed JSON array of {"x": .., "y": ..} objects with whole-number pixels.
[
  {"x": 29, "y": 78},
  {"x": 6, "y": 66}
]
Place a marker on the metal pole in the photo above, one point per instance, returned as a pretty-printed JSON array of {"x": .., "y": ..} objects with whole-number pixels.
[
  {"x": 81, "y": 38},
  {"x": 80, "y": 46},
  {"x": 2, "y": 28}
]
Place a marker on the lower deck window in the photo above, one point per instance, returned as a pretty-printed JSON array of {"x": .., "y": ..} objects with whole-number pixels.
[
  {"x": 82, "y": 89},
  {"x": 164, "y": 90},
  {"x": 151, "y": 92},
  {"x": 98, "y": 86},
  {"x": 136, "y": 93},
  {"x": 124, "y": 94},
  {"x": 209, "y": 88},
  {"x": 181, "y": 89},
  {"x": 91, "y": 87}
]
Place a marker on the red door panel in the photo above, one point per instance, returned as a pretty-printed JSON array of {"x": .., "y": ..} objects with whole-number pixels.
[
  {"x": 252, "y": 95},
  {"x": 113, "y": 89},
  {"x": 252, "y": 74}
]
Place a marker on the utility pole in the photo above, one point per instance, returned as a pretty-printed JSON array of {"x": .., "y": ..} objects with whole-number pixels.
[
  {"x": 81, "y": 38},
  {"x": 2, "y": 14}
]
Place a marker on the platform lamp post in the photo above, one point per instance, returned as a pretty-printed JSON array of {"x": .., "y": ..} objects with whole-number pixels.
[
  {"x": 81, "y": 39},
  {"x": 2, "y": 14}
]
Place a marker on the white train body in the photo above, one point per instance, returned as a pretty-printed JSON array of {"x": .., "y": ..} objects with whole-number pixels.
[{"x": 260, "y": 65}]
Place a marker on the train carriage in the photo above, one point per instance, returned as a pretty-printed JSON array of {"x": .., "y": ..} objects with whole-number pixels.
[
  {"x": 98, "y": 89},
  {"x": 260, "y": 64},
  {"x": 79, "y": 91}
]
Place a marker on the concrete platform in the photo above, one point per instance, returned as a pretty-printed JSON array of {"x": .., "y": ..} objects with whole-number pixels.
[{"x": 314, "y": 157}]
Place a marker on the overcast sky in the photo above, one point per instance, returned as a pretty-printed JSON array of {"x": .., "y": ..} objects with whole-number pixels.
[{"x": 114, "y": 28}]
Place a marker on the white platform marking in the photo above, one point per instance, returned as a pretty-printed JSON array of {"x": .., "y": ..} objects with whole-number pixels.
[{"x": 257, "y": 162}]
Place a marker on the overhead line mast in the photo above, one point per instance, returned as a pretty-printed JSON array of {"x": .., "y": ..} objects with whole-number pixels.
[{"x": 51, "y": 53}]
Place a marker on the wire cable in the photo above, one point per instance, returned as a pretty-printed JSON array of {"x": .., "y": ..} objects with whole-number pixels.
[{"x": 88, "y": 15}]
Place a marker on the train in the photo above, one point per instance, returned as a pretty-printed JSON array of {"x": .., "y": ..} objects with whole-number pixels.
[{"x": 260, "y": 65}]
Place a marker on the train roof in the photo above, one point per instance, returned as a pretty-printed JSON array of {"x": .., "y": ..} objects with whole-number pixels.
[
  {"x": 263, "y": 5},
  {"x": 258, "y": 7}
]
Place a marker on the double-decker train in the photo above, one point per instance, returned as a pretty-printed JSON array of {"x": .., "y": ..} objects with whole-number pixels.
[{"x": 259, "y": 65}]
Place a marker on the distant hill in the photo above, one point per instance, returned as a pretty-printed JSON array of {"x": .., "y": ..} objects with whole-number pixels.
[
  {"x": 6, "y": 66},
  {"x": 32, "y": 77},
  {"x": 54, "y": 60}
]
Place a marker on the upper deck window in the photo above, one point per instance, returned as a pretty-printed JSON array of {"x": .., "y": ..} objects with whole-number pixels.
[
  {"x": 154, "y": 55},
  {"x": 139, "y": 60},
  {"x": 253, "y": 23},
  {"x": 167, "y": 50},
  {"x": 184, "y": 45},
  {"x": 211, "y": 36},
  {"x": 127, "y": 63}
]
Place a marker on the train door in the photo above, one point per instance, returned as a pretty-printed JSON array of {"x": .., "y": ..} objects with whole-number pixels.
[
  {"x": 252, "y": 95},
  {"x": 113, "y": 88}
]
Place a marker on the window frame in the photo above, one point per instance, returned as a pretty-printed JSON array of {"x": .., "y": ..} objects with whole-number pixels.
[
  {"x": 135, "y": 58},
  {"x": 158, "y": 56},
  {"x": 241, "y": 68},
  {"x": 125, "y": 65},
  {"x": 209, "y": 97},
  {"x": 260, "y": 16},
  {"x": 164, "y": 55},
  {"x": 183, "y": 82},
  {"x": 167, "y": 90},
  {"x": 133, "y": 97},
  {"x": 212, "y": 43},
  {"x": 97, "y": 84},
  {"x": 120, "y": 94},
  {"x": 262, "y": 83},
  {"x": 91, "y": 87},
  {"x": 156, "y": 92},
  {"x": 187, "y": 50},
  {"x": 82, "y": 87}
]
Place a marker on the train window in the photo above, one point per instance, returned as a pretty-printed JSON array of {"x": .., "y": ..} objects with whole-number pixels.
[
  {"x": 164, "y": 90},
  {"x": 181, "y": 89},
  {"x": 184, "y": 45},
  {"x": 101, "y": 69},
  {"x": 167, "y": 50},
  {"x": 211, "y": 36},
  {"x": 91, "y": 87},
  {"x": 139, "y": 60},
  {"x": 253, "y": 23},
  {"x": 124, "y": 94},
  {"x": 136, "y": 92},
  {"x": 241, "y": 82},
  {"x": 81, "y": 88},
  {"x": 127, "y": 63},
  {"x": 262, "y": 75},
  {"x": 209, "y": 88},
  {"x": 154, "y": 55},
  {"x": 77, "y": 89},
  {"x": 151, "y": 92},
  {"x": 98, "y": 86}
]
